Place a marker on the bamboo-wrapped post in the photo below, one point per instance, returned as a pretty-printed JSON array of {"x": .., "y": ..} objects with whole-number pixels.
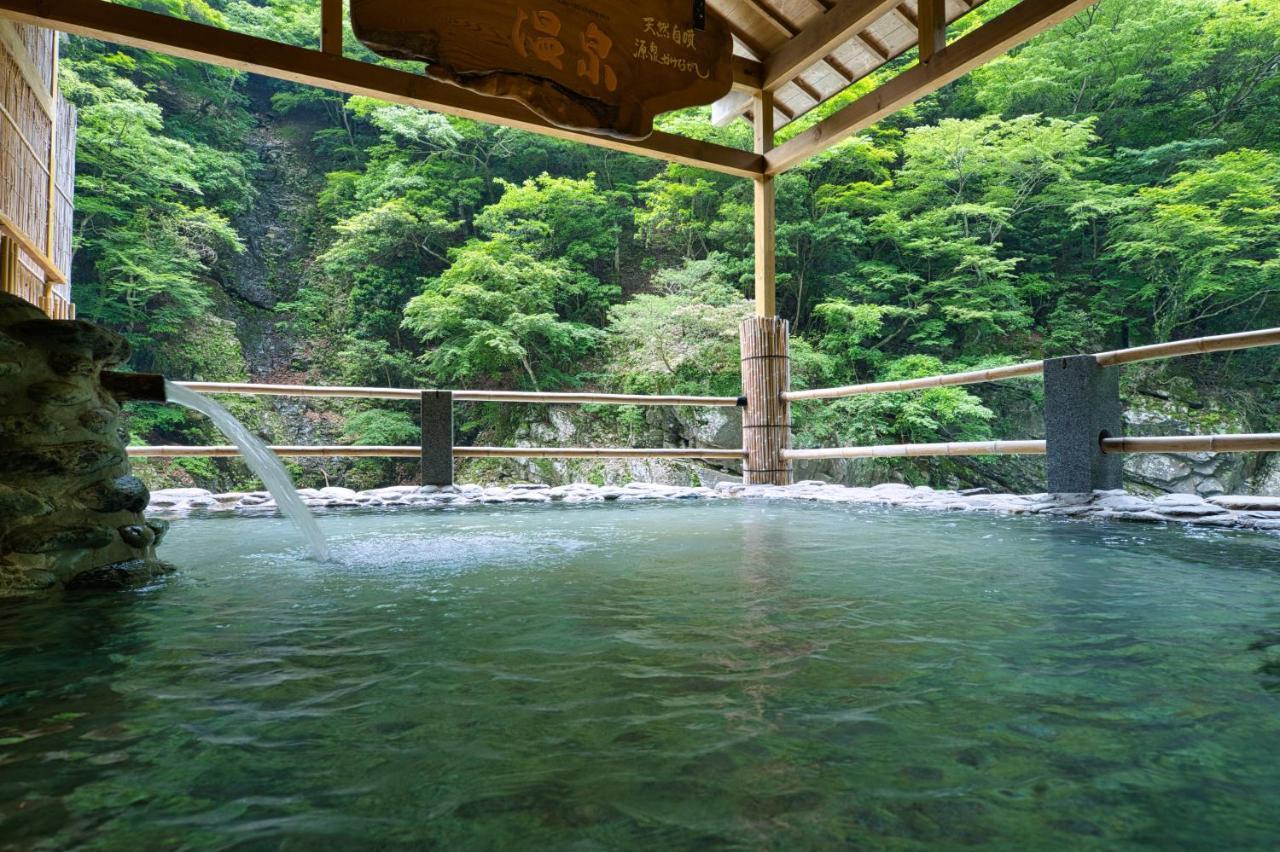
[{"x": 766, "y": 421}]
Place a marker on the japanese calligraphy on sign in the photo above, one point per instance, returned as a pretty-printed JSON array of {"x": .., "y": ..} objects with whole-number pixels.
[{"x": 606, "y": 66}]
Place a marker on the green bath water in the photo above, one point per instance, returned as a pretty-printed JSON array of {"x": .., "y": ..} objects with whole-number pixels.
[{"x": 697, "y": 675}]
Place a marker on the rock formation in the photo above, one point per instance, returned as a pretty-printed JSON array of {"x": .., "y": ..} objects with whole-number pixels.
[
  {"x": 70, "y": 512},
  {"x": 1243, "y": 512}
]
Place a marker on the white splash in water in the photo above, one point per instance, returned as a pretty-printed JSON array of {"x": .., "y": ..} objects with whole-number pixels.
[{"x": 261, "y": 461}]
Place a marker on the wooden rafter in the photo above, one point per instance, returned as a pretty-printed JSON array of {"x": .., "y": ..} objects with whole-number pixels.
[
  {"x": 833, "y": 28},
  {"x": 979, "y": 46},
  {"x": 189, "y": 40},
  {"x": 790, "y": 31}
]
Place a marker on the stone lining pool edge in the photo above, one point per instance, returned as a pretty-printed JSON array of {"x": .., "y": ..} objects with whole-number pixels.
[{"x": 1224, "y": 511}]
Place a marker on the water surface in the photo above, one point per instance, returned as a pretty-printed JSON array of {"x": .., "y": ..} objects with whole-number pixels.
[{"x": 711, "y": 675}]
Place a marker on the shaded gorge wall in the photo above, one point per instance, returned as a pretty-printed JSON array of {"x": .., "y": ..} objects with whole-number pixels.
[{"x": 70, "y": 511}]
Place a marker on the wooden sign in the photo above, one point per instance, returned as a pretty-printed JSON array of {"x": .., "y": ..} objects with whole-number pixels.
[{"x": 604, "y": 66}]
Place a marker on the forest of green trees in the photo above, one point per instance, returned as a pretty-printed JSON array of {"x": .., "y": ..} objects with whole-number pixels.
[{"x": 1113, "y": 182}]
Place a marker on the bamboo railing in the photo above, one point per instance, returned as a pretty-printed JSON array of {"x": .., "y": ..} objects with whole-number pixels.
[
  {"x": 1263, "y": 442},
  {"x": 548, "y": 398},
  {"x": 1254, "y": 443},
  {"x": 447, "y": 453},
  {"x": 1159, "y": 444},
  {"x": 1269, "y": 442},
  {"x": 1030, "y": 368},
  {"x": 884, "y": 451},
  {"x": 1195, "y": 346},
  {"x": 458, "y": 452}
]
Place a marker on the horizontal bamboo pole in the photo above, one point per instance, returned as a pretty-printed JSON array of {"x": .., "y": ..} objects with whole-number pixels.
[
  {"x": 458, "y": 452},
  {"x": 1029, "y": 368},
  {"x": 1195, "y": 346},
  {"x": 963, "y": 448},
  {"x": 594, "y": 453},
  {"x": 1254, "y": 443},
  {"x": 227, "y": 451},
  {"x": 458, "y": 395}
]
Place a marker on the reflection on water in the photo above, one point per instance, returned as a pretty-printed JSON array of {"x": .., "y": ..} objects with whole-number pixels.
[{"x": 723, "y": 674}]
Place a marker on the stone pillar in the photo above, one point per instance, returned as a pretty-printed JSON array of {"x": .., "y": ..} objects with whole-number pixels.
[
  {"x": 70, "y": 512},
  {"x": 1081, "y": 407},
  {"x": 437, "y": 438},
  {"x": 766, "y": 421}
]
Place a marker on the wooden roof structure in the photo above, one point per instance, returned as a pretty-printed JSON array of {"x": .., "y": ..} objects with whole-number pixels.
[
  {"x": 790, "y": 56},
  {"x": 805, "y": 73},
  {"x": 800, "y": 53}
]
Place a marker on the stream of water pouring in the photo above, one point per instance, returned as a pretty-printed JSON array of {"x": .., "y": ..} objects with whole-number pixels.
[{"x": 261, "y": 461}]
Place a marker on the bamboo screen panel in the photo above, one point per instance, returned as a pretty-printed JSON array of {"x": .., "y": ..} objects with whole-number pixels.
[
  {"x": 25, "y": 137},
  {"x": 35, "y": 210},
  {"x": 65, "y": 176},
  {"x": 40, "y": 48},
  {"x": 19, "y": 279}
]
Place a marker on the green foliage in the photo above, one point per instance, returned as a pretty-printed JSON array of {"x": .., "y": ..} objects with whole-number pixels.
[
  {"x": 1202, "y": 245},
  {"x": 1115, "y": 180},
  {"x": 380, "y": 428},
  {"x": 491, "y": 316},
  {"x": 681, "y": 339}
]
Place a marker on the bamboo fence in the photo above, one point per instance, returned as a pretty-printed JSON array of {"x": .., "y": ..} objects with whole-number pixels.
[
  {"x": 1264, "y": 442},
  {"x": 1030, "y": 368},
  {"x": 1194, "y": 346},
  {"x": 37, "y": 171},
  {"x": 1249, "y": 443},
  {"x": 549, "y": 398},
  {"x": 458, "y": 452},
  {"x": 967, "y": 448}
]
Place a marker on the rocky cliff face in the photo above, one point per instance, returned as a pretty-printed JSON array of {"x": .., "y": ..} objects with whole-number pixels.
[
  {"x": 70, "y": 511},
  {"x": 565, "y": 426},
  {"x": 1181, "y": 411}
]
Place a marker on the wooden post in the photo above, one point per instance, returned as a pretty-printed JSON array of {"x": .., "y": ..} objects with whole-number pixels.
[
  {"x": 331, "y": 26},
  {"x": 766, "y": 365},
  {"x": 5, "y": 272},
  {"x": 766, "y": 267},
  {"x": 766, "y": 421},
  {"x": 931, "y": 23},
  {"x": 437, "y": 438}
]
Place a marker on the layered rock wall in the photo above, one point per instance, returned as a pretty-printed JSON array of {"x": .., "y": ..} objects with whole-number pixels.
[{"x": 70, "y": 512}]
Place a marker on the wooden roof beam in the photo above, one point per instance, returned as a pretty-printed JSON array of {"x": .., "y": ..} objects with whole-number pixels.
[
  {"x": 188, "y": 40},
  {"x": 832, "y": 29},
  {"x": 748, "y": 74},
  {"x": 978, "y": 46},
  {"x": 931, "y": 28}
]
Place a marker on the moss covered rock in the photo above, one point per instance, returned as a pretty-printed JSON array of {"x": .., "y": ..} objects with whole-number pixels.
[{"x": 69, "y": 506}]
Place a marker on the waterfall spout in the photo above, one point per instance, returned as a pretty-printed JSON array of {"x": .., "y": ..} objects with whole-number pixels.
[{"x": 261, "y": 461}]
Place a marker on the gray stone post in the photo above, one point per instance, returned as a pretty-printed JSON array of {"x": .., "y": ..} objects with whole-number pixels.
[
  {"x": 1081, "y": 407},
  {"x": 437, "y": 438}
]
